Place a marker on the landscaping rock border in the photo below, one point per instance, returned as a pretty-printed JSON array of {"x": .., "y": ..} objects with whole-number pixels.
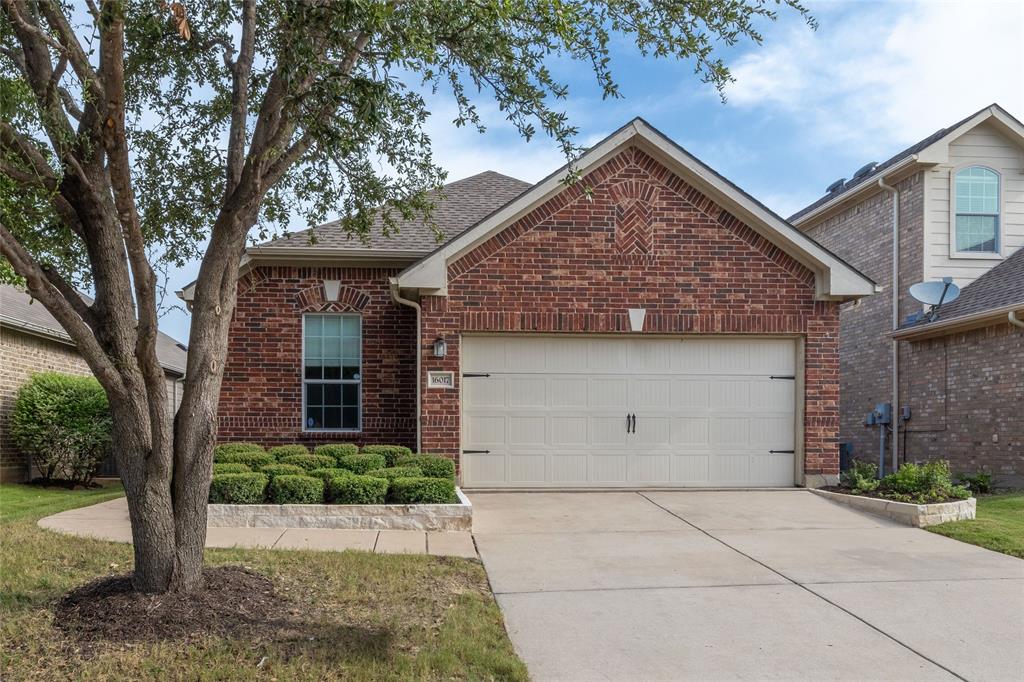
[
  {"x": 917, "y": 515},
  {"x": 438, "y": 517}
]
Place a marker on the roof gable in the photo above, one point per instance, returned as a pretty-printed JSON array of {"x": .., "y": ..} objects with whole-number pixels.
[
  {"x": 931, "y": 150},
  {"x": 834, "y": 279}
]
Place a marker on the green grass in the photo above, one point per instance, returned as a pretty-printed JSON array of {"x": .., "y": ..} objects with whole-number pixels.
[
  {"x": 374, "y": 616},
  {"x": 999, "y": 526}
]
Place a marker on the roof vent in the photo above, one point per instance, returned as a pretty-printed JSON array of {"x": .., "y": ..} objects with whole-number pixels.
[
  {"x": 864, "y": 170},
  {"x": 836, "y": 186}
]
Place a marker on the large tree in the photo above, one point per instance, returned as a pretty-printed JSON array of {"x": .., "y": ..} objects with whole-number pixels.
[{"x": 141, "y": 134}]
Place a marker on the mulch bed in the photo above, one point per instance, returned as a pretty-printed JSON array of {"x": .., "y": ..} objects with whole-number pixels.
[
  {"x": 884, "y": 496},
  {"x": 235, "y": 601}
]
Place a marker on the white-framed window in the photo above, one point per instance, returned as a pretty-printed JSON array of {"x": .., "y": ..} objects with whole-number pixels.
[
  {"x": 976, "y": 204},
  {"x": 331, "y": 372}
]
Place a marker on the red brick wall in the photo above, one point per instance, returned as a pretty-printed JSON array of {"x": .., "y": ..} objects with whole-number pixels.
[
  {"x": 261, "y": 396},
  {"x": 693, "y": 266},
  {"x": 967, "y": 393},
  {"x": 862, "y": 235}
]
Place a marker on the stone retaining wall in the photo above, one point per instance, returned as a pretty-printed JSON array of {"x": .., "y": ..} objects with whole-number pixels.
[
  {"x": 918, "y": 515},
  {"x": 353, "y": 516}
]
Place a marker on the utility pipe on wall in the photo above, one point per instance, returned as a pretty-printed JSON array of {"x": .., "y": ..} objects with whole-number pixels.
[
  {"x": 1014, "y": 320},
  {"x": 895, "y": 319},
  {"x": 419, "y": 380}
]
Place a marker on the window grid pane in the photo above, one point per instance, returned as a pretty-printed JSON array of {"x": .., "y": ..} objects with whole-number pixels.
[
  {"x": 332, "y": 372},
  {"x": 977, "y": 210}
]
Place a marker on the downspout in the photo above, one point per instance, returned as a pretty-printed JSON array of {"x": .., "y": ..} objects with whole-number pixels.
[
  {"x": 1014, "y": 320},
  {"x": 895, "y": 321},
  {"x": 415, "y": 306}
]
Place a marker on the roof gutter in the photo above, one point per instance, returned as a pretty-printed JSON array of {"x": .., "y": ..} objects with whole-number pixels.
[
  {"x": 993, "y": 315},
  {"x": 855, "y": 192}
]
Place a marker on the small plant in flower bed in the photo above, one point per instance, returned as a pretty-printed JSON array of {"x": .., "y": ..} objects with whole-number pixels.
[
  {"x": 230, "y": 468},
  {"x": 228, "y": 448},
  {"x": 422, "y": 491},
  {"x": 254, "y": 459},
  {"x": 391, "y": 473},
  {"x": 923, "y": 483},
  {"x": 391, "y": 453},
  {"x": 979, "y": 483},
  {"x": 362, "y": 463},
  {"x": 328, "y": 473},
  {"x": 291, "y": 489},
  {"x": 432, "y": 466},
  {"x": 356, "y": 489},
  {"x": 861, "y": 477},
  {"x": 337, "y": 450},
  {"x": 281, "y": 451},
  {"x": 275, "y": 470},
  {"x": 309, "y": 462},
  {"x": 238, "y": 488}
]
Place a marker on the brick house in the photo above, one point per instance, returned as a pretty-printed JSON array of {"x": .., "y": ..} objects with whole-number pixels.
[
  {"x": 32, "y": 341},
  {"x": 959, "y": 197},
  {"x": 652, "y": 325}
]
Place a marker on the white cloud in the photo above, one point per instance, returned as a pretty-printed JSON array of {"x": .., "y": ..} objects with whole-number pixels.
[{"x": 882, "y": 75}]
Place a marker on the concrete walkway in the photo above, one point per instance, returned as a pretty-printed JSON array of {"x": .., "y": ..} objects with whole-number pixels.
[
  {"x": 743, "y": 585},
  {"x": 109, "y": 521}
]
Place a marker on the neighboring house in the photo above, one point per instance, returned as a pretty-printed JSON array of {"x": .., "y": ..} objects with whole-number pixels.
[
  {"x": 31, "y": 341},
  {"x": 960, "y": 215},
  {"x": 663, "y": 329}
]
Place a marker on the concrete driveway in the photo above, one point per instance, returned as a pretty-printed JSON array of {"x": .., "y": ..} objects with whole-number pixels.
[{"x": 743, "y": 585}]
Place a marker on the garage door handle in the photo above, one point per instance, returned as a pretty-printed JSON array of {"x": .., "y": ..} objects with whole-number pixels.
[
  {"x": 782, "y": 376},
  {"x": 782, "y": 452},
  {"x": 476, "y": 452},
  {"x": 630, "y": 423}
]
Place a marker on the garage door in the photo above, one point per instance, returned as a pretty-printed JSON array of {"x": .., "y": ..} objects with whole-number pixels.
[{"x": 627, "y": 412}]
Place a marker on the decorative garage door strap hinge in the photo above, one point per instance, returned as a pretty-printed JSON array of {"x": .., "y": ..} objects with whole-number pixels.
[
  {"x": 475, "y": 374},
  {"x": 782, "y": 376},
  {"x": 476, "y": 452},
  {"x": 782, "y": 452}
]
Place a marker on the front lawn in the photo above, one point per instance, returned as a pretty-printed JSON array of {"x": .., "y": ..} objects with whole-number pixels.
[
  {"x": 366, "y": 616},
  {"x": 999, "y": 526}
]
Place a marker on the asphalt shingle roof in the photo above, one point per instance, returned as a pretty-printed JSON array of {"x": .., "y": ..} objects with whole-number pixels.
[
  {"x": 20, "y": 311},
  {"x": 883, "y": 166},
  {"x": 465, "y": 203},
  {"x": 1001, "y": 286}
]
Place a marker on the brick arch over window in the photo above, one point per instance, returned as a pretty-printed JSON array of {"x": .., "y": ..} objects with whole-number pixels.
[
  {"x": 314, "y": 299},
  {"x": 634, "y": 215}
]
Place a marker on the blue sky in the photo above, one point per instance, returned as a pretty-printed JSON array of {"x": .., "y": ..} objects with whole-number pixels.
[{"x": 808, "y": 107}]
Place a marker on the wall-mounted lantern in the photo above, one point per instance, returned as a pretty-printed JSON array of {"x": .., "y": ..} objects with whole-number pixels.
[{"x": 440, "y": 347}]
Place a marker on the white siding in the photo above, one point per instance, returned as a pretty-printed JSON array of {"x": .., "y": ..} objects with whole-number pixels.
[{"x": 984, "y": 146}]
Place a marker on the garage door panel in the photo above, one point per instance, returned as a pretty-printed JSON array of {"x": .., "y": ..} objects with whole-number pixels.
[{"x": 707, "y": 412}]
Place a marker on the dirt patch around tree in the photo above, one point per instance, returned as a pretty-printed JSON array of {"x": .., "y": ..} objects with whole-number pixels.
[{"x": 236, "y": 601}]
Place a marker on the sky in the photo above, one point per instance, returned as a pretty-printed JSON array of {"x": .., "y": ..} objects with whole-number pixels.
[{"x": 806, "y": 108}]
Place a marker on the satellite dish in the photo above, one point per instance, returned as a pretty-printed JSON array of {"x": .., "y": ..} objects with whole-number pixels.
[{"x": 935, "y": 293}]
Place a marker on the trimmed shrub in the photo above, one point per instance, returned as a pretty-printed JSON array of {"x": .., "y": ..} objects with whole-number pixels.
[
  {"x": 281, "y": 451},
  {"x": 228, "y": 448},
  {"x": 254, "y": 459},
  {"x": 921, "y": 483},
  {"x": 337, "y": 450},
  {"x": 230, "y": 468},
  {"x": 63, "y": 423},
  {"x": 290, "y": 489},
  {"x": 433, "y": 466},
  {"x": 391, "y": 473},
  {"x": 391, "y": 452},
  {"x": 362, "y": 463},
  {"x": 422, "y": 490},
  {"x": 354, "y": 489},
  {"x": 309, "y": 462},
  {"x": 275, "y": 470},
  {"x": 979, "y": 483},
  {"x": 238, "y": 488},
  {"x": 328, "y": 473},
  {"x": 861, "y": 477}
]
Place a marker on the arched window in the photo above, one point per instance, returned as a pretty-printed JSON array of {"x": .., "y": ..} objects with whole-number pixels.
[{"x": 977, "y": 210}]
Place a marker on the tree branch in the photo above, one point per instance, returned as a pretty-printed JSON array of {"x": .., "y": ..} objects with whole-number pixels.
[{"x": 241, "y": 71}]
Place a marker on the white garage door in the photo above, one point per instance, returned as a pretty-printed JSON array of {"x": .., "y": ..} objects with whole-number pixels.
[{"x": 633, "y": 412}]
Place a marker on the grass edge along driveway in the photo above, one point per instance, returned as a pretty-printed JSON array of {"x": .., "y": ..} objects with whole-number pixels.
[
  {"x": 999, "y": 525},
  {"x": 381, "y": 616}
]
